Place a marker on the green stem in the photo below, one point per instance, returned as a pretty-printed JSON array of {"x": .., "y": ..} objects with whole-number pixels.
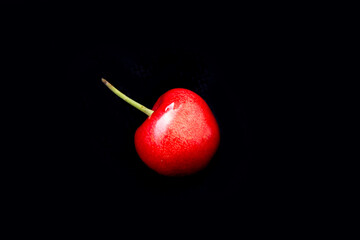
[{"x": 137, "y": 105}]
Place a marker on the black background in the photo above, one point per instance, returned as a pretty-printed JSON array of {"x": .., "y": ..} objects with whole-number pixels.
[{"x": 246, "y": 62}]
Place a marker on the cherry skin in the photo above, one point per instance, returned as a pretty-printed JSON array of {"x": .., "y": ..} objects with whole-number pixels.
[{"x": 180, "y": 135}]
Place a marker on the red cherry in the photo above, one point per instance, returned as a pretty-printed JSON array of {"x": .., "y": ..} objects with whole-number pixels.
[{"x": 181, "y": 134}]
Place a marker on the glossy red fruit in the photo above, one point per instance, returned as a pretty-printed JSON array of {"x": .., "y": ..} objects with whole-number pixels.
[{"x": 181, "y": 135}]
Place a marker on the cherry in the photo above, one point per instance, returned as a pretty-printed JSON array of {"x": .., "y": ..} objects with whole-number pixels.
[{"x": 180, "y": 135}]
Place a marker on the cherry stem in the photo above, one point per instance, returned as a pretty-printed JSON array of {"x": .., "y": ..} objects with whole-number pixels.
[{"x": 137, "y": 105}]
